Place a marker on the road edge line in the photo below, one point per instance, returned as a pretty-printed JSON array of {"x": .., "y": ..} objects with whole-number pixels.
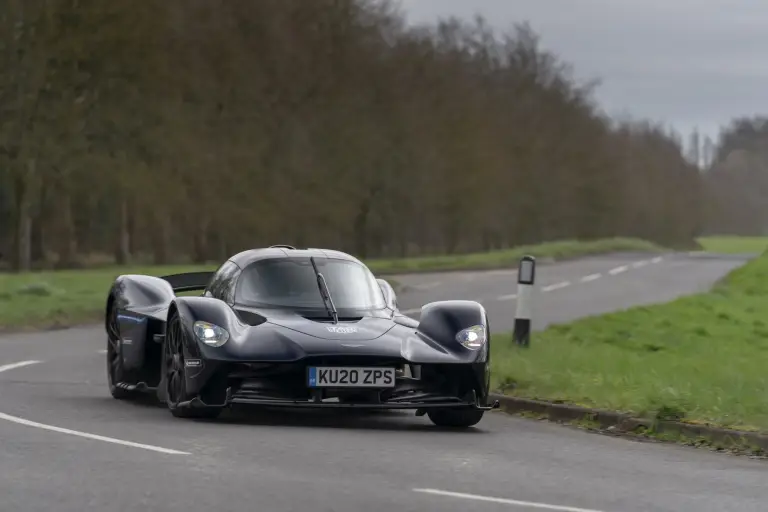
[
  {"x": 86, "y": 435},
  {"x": 77, "y": 433},
  {"x": 20, "y": 364},
  {"x": 503, "y": 501}
]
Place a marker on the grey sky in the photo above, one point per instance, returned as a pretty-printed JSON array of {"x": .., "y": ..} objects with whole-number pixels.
[{"x": 688, "y": 63}]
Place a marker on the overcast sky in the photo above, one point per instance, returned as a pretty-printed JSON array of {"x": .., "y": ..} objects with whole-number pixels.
[{"x": 688, "y": 63}]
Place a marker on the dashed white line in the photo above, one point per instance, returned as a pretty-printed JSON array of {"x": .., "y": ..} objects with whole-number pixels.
[
  {"x": 20, "y": 364},
  {"x": 548, "y": 288},
  {"x": 618, "y": 270},
  {"x": 34, "y": 424},
  {"x": 502, "y": 272},
  {"x": 555, "y": 286},
  {"x": 426, "y": 286},
  {"x": 103, "y": 351},
  {"x": 504, "y": 501},
  {"x": 590, "y": 277}
]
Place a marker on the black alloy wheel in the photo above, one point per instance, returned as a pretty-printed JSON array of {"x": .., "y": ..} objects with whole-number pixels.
[
  {"x": 115, "y": 372},
  {"x": 175, "y": 374}
]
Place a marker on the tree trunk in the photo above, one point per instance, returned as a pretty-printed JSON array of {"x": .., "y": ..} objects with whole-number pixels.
[
  {"x": 361, "y": 230},
  {"x": 39, "y": 233},
  {"x": 22, "y": 257},
  {"x": 123, "y": 246},
  {"x": 67, "y": 236},
  {"x": 200, "y": 249},
  {"x": 161, "y": 241}
]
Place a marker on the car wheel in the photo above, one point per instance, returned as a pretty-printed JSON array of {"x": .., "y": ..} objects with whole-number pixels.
[
  {"x": 175, "y": 375},
  {"x": 115, "y": 372},
  {"x": 455, "y": 417}
]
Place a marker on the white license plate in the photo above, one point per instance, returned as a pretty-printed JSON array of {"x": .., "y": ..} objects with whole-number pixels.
[{"x": 346, "y": 377}]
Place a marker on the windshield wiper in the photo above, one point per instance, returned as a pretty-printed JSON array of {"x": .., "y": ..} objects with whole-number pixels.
[{"x": 325, "y": 293}]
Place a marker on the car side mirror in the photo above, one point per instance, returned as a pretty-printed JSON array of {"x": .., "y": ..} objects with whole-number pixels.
[{"x": 389, "y": 293}]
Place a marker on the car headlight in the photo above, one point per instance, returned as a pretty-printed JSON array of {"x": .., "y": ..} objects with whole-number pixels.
[
  {"x": 473, "y": 337},
  {"x": 211, "y": 334}
]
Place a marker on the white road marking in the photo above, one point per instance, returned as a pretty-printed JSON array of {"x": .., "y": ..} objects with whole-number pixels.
[
  {"x": 502, "y": 272},
  {"x": 20, "y": 364},
  {"x": 549, "y": 288},
  {"x": 27, "y": 423},
  {"x": 103, "y": 351},
  {"x": 590, "y": 277},
  {"x": 34, "y": 424},
  {"x": 426, "y": 286},
  {"x": 504, "y": 501},
  {"x": 556, "y": 286},
  {"x": 618, "y": 270}
]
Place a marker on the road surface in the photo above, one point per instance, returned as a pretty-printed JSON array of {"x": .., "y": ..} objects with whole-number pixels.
[{"x": 67, "y": 446}]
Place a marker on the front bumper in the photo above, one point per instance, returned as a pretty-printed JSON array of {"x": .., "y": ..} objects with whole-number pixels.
[
  {"x": 417, "y": 387},
  {"x": 420, "y": 403},
  {"x": 434, "y": 402}
]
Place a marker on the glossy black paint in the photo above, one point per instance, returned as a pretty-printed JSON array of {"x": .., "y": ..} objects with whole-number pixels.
[
  {"x": 286, "y": 336},
  {"x": 443, "y": 320}
]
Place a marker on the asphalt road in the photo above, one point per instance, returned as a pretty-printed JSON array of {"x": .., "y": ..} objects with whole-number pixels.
[{"x": 53, "y": 405}]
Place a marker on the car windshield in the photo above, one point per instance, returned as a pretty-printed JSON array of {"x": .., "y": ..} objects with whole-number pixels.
[{"x": 291, "y": 282}]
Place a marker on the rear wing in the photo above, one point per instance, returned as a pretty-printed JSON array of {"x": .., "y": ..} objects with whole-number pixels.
[{"x": 189, "y": 281}]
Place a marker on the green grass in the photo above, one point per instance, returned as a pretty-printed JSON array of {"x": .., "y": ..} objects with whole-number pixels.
[
  {"x": 57, "y": 299},
  {"x": 734, "y": 244},
  {"x": 699, "y": 358},
  {"x": 63, "y": 298}
]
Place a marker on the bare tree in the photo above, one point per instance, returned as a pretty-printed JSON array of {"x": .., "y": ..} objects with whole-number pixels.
[{"x": 185, "y": 130}]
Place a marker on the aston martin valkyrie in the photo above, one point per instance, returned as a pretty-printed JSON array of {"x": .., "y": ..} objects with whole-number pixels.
[{"x": 286, "y": 327}]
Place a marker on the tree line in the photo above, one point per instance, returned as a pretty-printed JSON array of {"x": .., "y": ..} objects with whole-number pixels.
[
  {"x": 186, "y": 130},
  {"x": 737, "y": 179}
]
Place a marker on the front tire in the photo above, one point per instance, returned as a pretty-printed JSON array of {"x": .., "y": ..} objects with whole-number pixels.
[
  {"x": 115, "y": 371},
  {"x": 455, "y": 418},
  {"x": 174, "y": 374}
]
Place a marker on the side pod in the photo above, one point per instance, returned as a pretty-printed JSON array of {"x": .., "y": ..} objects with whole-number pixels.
[
  {"x": 136, "y": 308},
  {"x": 442, "y": 321},
  {"x": 206, "y": 309},
  {"x": 135, "y": 292}
]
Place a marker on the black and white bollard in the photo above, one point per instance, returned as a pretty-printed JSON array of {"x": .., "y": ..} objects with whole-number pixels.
[{"x": 526, "y": 275}]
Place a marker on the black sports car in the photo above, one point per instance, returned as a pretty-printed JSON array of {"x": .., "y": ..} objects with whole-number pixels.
[{"x": 280, "y": 326}]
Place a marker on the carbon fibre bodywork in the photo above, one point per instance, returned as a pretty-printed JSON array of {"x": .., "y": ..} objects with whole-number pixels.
[{"x": 269, "y": 350}]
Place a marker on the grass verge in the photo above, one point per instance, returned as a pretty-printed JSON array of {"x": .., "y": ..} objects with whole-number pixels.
[
  {"x": 698, "y": 359},
  {"x": 734, "y": 244},
  {"x": 64, "y": 298},
  {"x": 608, "y": 423}
]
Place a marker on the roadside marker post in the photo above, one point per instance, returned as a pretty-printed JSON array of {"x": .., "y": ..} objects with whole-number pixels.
[{"x": 526, "y": 276}]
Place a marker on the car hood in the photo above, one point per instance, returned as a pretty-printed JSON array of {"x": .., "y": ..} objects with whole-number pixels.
[{"x": 359, "y": 329}]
